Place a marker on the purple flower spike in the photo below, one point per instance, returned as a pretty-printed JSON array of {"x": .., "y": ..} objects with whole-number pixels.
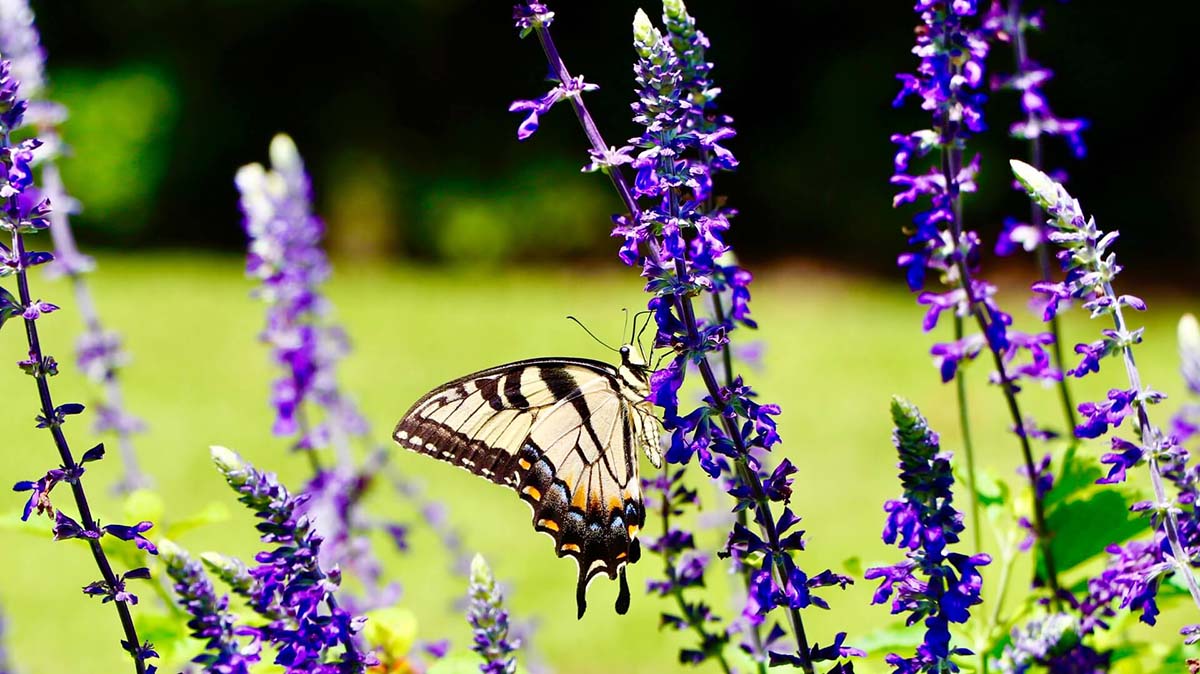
[
  {"x": 25, "y": 213},
  {"x": 1135, "y": 570},
  {"x": 289, "y": 587},
  {"x": 211, "y": 620},
  {"x": 674, "y": 228},
  {"x": 932, "y": 584},
  {"x": 489, "y": 619}
]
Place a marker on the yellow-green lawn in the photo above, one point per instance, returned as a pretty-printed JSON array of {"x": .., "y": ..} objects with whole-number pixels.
[{"x": 836, "y": 348}]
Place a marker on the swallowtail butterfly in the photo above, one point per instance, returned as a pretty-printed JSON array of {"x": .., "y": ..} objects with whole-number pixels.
[{"x": 565, "y": 433}]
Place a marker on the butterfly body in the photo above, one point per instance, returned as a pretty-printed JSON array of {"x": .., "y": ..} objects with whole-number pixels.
[{"x": 565, "y": 433}]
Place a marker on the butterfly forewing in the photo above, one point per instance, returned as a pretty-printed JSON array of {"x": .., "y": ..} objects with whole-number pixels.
[{"x": 565, "y": 434}]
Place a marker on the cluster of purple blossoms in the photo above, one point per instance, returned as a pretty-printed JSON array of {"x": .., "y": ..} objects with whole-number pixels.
[
  {"x": 286, "y": 256},
  {"x": 24, "y": 210},
  {"x": 489, "y": 620},
  {"x": 1137, "y": 568},
  {"x": 288, "y": 585},
  {"x": 683, "y": 568},
  {"x": 1008, "y": 22},
  {"x": 1050, "y": 641},
  {"x": 933, "y": 584},
  {"x": 98, "y": 351},
  {"x": 210, "y": 620},
  {"x": 946, "y": 82},
  {"x": 673, "y": 228}
]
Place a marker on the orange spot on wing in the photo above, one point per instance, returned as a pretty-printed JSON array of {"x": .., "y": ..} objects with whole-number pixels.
[
  {"x": 622, "y": 556},
  {"x": 548, "y": 524},
  {"x": 523, "y": 464},
  {"x": 533, "y": 493},
  {"x": 570, "y": 547},
  {"x": 633, "y": 529}
]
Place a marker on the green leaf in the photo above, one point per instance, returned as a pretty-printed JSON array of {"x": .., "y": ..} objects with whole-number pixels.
[
  {"x": 1078, "y": 474},
  {"x": 1084, "y": 527},
  {"x": 990, "y": 490}
]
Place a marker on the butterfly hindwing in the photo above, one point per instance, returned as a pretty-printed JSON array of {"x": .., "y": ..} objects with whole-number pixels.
[{"x": 565, "y": 434}]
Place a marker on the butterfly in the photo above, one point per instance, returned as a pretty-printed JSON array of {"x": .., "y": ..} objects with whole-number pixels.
[{"x": 565, "y": 433}]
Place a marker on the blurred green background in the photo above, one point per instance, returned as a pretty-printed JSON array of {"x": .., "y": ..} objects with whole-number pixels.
[{"x": 443, "y": 228}]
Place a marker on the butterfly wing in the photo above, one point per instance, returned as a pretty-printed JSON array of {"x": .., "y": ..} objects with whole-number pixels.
[{"x": 565, "y": 434}]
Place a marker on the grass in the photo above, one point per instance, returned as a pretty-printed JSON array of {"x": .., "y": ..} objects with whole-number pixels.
[{"x": 837, "y": 348}]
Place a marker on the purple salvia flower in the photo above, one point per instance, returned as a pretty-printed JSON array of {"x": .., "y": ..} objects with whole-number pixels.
[
  {"x": 930, "y": 163},
  {"x": 211, "y": 621},
  {"x": 1009, "y": 22},
  {"x": 932, "y": 585},
  {"x": 285, "y": 255},
  {"x": 290, "y": 588},
  {"x": 678, "y": 240},
  {"x": 489, "y": 620},
  {"x": 23, "y": 211},
  {"x": 99, "y": 351},
  {"x": 1090, "y": 269},
  {"x": 1050, "y": 641},
  {"x": 683, "y": 568}
]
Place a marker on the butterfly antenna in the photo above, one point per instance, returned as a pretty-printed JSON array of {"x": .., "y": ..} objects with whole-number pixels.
[
  {"x": 636, "y": 337},
  {"x": 593, "y": 335},
  {"x": 624, "y": 325}
]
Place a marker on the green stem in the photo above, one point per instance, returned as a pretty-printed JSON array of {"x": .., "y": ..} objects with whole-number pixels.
[
  {"x": 1038, "y": 219},
  {"x": 695, "y": 622},
  {"x": 964, "y": 422}
]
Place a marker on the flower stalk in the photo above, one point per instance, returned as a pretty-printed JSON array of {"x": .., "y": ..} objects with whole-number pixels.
[
  {"x": 1091, "y": 268},
  {"x": 24, "y": 212},
  {"x": 678, "y": 273},
  {"x": 99, "y": 351}
]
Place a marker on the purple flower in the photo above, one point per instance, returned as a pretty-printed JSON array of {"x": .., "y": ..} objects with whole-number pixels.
[
  {"x": 25, "y": 210},
  {"x": 289, "y": 587},
  {"x": 1135, "y": 570},
  {"x": 674, "y": 228},
  {"x": 540, "y": 106},
  {"x": 286, "y": 256},
  {"x": 1051, "y": 641},
  {"x": 211, "y": 621},
  {"x": 20, "y": 42},
  {"x": 1029, "y": 80},
  {"x": 932, "y": 585},
  {"x": 489, "y": 619},
  {"x": 133, "y": 533}
]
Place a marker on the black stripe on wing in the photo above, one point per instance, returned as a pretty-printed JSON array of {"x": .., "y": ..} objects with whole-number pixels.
[
  {"x": 435, "y": 439},
  {"x": 602, "y": 535}
]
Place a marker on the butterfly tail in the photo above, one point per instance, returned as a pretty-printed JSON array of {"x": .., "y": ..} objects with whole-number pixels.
[
  {"x": 623, "y": 596},
  {"x": 581, "y": 595}
]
